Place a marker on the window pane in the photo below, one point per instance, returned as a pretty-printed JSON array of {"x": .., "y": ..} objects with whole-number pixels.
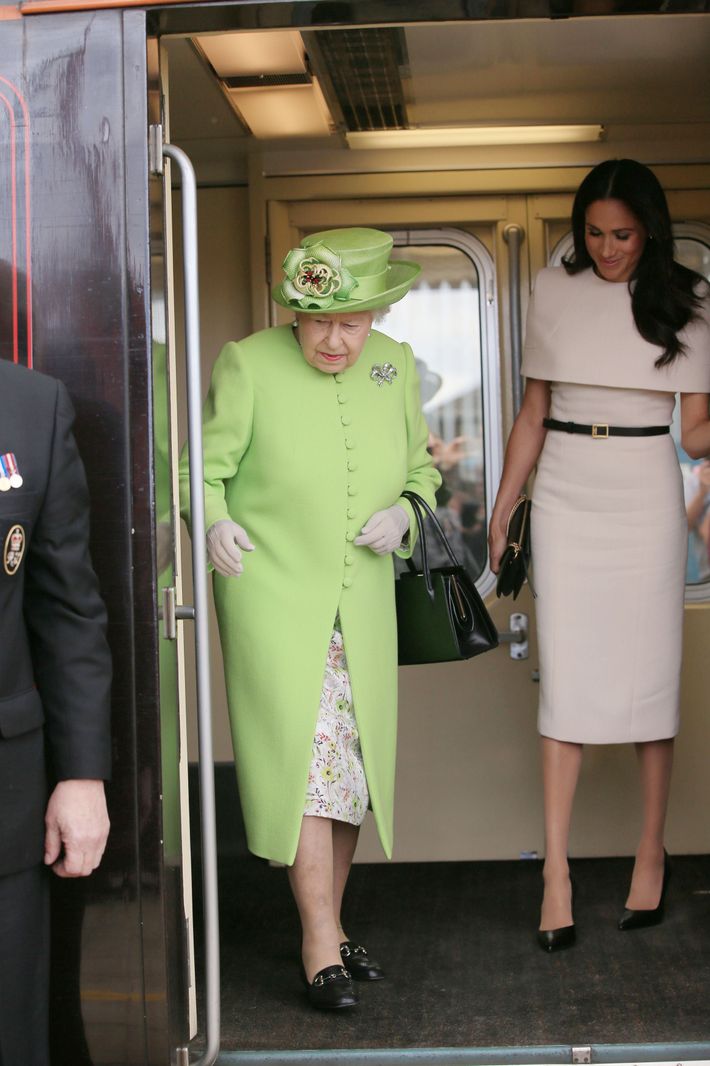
[
  {"x": 694, "y": 254},
  {"x": 441, "y": 320}
]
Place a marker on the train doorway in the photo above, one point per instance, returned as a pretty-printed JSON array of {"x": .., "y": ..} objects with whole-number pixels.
[{"x": 463, "y": 886}]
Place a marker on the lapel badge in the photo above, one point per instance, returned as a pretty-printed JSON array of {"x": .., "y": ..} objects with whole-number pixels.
[
  {"x": 15, "y": 543},
  {"x": 10, "y": 477},
  {"x": 383, "y": 373}
]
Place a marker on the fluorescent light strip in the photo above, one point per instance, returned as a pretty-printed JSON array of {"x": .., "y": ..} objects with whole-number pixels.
[{"x": 468, "y": 136}]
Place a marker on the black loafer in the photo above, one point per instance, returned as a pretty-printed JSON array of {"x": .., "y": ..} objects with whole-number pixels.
[
  {"x": 654, "y": 916},
  {"x": 331, "y": 989},
  {"x": 359, "y": 964}
]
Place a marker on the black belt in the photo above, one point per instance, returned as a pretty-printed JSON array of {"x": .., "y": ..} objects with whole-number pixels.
[{"x": 601, "y": 430}]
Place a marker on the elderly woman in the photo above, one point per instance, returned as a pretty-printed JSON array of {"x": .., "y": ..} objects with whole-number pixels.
[{"x": 312, "y": 431}]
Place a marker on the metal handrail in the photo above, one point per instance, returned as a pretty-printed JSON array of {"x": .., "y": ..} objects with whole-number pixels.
[
  {"x": 199, "y": 571},
  {"x": 514, "y": 235}
]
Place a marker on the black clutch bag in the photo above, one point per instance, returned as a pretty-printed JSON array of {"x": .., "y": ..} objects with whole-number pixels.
[
  {"x": 440, "y": 614},
  {"x": 515, "y": 560}
]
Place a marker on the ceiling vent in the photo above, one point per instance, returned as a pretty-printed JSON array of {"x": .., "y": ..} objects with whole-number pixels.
[{"x": 361, "y": 75}]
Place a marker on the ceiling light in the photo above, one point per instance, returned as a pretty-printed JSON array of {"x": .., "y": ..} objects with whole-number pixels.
[
  {"x": 267, "y": 81},
  {"x": 469, "y": 136},
  {"x": 291, "y": 111},
  {"x": 242, "y": 54}
]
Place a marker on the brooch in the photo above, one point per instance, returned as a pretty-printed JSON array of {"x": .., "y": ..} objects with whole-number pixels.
[
  {"x": 385, "y": 373},
  {"x": 14, "y": 549}
]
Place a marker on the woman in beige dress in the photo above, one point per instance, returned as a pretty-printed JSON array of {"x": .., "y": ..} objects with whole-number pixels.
[{"x": 611, "y": 337}]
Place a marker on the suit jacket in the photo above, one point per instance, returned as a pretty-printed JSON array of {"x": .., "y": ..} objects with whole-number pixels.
[{"x": 55, "y": 665}]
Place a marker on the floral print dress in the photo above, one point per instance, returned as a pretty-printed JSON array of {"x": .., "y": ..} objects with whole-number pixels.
[{"x": 337, "y": 786}]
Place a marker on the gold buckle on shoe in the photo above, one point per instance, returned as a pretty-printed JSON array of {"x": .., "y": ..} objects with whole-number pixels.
[{"x": 600, "y": 430}]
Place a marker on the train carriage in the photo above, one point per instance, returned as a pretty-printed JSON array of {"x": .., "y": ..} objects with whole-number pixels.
[{"x": 158, "y": 161}]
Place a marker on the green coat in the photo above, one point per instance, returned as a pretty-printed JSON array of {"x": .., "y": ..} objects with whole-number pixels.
[{"x": 302, "y": 459}]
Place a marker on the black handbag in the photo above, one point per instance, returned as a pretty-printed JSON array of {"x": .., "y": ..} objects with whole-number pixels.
[
  {"x": 515, "y": 560},
  {"x": 440, "y": 614}
]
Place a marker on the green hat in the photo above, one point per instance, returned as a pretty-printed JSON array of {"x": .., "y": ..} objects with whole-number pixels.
[{"x": 344, "y": 270}]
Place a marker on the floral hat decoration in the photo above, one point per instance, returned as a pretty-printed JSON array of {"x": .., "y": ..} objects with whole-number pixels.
[{"x": 344, "y": 270}]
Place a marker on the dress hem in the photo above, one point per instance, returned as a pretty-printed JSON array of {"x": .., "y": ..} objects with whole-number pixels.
[{"x": 616, "y": 740}]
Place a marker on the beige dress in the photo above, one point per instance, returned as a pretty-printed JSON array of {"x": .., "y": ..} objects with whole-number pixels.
[{"x": 609, "y": 531}]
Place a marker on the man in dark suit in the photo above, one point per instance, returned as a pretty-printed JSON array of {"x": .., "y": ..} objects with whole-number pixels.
[{"x": 54, "y": 694}]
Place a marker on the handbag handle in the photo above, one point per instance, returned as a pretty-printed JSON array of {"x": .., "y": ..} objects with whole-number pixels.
[{"x": 418, "y": 505}]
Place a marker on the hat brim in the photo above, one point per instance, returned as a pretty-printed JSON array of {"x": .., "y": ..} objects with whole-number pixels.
[{"x": 401, "y": 275}]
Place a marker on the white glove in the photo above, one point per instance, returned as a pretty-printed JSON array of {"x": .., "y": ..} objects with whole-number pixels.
[
  {"x": 385, "y": 530},
  {"x": 224, "y": 539}
]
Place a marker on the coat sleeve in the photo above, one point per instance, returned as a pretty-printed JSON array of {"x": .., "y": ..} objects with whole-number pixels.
[
  {"x": 422, "y": 476},
  {"x": 65, "y": 616},
  {"x": 227, "y": 421}
]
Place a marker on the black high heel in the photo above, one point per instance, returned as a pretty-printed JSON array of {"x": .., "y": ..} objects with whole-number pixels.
[
  {"x": 557, "y": 939},
  {"x": 640, "y": 919}
]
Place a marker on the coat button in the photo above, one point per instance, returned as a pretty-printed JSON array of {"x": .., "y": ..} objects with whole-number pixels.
[
  {"x": 352, "y": 491},
  {"x": 338, "y": 377},
  {"x": 352, "y": 465},
  {"x": 349, "y": 536},
  {"x": 350, "y": 512},
  {"x": 349, "y": 443},
  {"x": 345, "y": 419},
  {"x": 341, "y": 398},
  {"x": 349, "y": 560},
  {"x": 347, "y": 582}
]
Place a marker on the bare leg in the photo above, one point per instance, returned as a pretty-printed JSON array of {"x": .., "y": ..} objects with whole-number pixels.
[
  {"x": 655, "y": 763},
  {"x": 344, "y": 843},
  {"x": 311, "y": 878},
  {"x": 560, "y": 772}
]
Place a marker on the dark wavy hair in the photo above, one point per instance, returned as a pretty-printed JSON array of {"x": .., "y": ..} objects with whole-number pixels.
[{"x": 664, "y": 294}]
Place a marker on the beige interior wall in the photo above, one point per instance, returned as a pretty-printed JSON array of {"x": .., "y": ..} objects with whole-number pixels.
[{"x": 468, "y": 783}]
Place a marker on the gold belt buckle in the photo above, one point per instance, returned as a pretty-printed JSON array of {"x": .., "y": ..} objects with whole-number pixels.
[{"x": 600, "y": 430}]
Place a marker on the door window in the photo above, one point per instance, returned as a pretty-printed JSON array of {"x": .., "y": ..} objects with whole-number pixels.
[{"x": 449, "y": 320}]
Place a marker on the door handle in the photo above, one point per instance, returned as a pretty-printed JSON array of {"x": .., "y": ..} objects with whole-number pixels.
[
  {"x": 514, "y": 235},
  {"x": 516, "y": 636},
  {"x": 171, "y": 612}
]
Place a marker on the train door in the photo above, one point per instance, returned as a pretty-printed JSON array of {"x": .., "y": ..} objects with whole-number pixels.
[
  {"x": 75, "y": 282},
  {"x": 176, "y": 376},
  {"x": 175, "y": 808}
]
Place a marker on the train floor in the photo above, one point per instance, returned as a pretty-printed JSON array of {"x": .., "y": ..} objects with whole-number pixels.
[{"x": 463, "y": 967}]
